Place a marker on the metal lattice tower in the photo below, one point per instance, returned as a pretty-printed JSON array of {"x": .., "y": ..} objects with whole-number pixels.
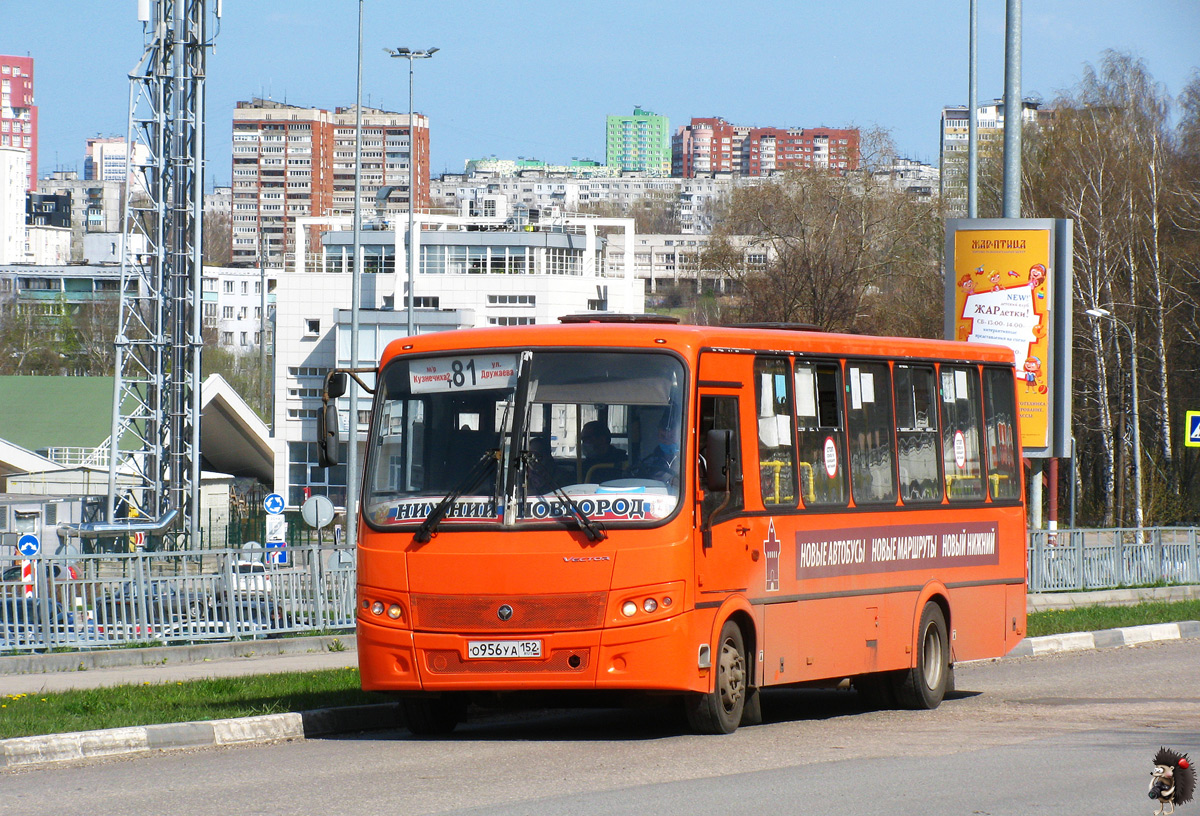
[{"x": 156, "y": 397}]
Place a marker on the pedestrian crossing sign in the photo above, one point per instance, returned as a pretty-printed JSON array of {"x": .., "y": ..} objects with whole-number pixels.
[{"x": 1191, "y": 436}]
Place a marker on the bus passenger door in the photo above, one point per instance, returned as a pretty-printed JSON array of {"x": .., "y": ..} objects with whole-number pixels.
[{"x": 723, "y": 563}]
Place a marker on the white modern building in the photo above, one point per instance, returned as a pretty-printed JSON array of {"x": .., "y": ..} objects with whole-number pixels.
[{"x": 473, "y": 272}]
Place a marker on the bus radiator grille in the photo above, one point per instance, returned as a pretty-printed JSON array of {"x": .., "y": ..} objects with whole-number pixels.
[
  {"x": 474, "y": 613},
  {"x": 448, "y": 661}
]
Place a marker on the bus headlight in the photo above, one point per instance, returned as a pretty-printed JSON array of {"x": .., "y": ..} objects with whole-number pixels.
[
  {"x": 629, "y": 609},
  {"x": 394, "y": 611},
  {"x": 377, "y": 608},
  {"x": 650, "y": 605}
]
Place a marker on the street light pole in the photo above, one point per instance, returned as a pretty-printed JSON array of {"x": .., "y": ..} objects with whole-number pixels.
[
  {"x": 1105, "y": 314},
  {"x": 410, "y": 55}
]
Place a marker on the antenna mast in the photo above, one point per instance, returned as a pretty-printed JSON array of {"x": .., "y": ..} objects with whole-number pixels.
[{"x": 156, "y": 395}]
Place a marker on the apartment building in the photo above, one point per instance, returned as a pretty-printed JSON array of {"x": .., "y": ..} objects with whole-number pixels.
[
  {"x": 291, "y": 162},
  {"x": 107, "y": 159},
  {"x": 693, "y": 198},
  {"x": 232, "y": 302},
  {"x": 990, "y": 140},
  {"x": 638, "y": 143},
  {"x": 18, "y": 114},
  {"x": 95, "y": 207},
  {"x": 713, "y": 147}
]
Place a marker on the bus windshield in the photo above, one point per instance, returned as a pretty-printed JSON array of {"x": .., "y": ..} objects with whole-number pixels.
[{"x": 533, "y": 432}]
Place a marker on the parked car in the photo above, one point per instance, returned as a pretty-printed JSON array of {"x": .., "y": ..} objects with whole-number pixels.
[
  {"x": 251, "y": 605},
  {"x": 60, "y": 573},
  {"x": 162, "y": 600},
  {"x": 21, "y": 620}
]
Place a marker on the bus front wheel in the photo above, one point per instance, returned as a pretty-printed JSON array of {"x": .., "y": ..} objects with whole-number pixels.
[
  {"x": 924, "y": 685},
  {"x": 720, "y": 710},
  {"x": 433, "y": 716}
]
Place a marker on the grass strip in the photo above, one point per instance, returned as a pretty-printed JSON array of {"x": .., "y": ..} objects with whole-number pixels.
[
  {"x": 1094, "y": 618},
  {"x": 23, "y": 715}
]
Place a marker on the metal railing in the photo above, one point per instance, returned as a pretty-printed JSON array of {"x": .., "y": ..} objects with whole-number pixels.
[
  {"x": 126, "y": 599},
  {"x": 1072, "y": 560},
  {"x": 111, "y": 600}
]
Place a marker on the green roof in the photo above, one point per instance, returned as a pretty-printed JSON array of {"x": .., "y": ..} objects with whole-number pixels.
[{"x": 49, "y": 412}]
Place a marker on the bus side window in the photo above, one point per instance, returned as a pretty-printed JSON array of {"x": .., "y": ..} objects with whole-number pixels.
[
  {"x": 960, "y": 433},
  {"x": 872, "y": 462},
  {"x": 820, "y": 435},
  {"x": 917, "y": 434},
  {"x": 999, "y": 418},
  {"x": 721, "y": 414},
  {"x": 777, "y": 474}
]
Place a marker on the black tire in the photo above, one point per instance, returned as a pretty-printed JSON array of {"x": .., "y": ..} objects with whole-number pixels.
[
  {"x": 431, "y": 716},
  {"x": 720, "y": 710},
  {"x": 924, "y": 685}
]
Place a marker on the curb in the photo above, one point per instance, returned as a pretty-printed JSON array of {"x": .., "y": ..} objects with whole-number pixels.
[
  {"x": 30, "y": 752},
  {"x": 1105, "y": 638}
]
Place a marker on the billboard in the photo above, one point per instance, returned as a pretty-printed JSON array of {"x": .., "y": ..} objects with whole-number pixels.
[{"x": 1008, "y": 283}]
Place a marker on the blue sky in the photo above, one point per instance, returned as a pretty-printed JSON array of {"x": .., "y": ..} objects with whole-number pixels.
[{"x": 537, "y": 78}]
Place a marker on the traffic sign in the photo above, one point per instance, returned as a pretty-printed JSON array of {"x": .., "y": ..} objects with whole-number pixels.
[
  {"x": 273, "y": 503},
  {"x": 28, "y": 545},
  {"x": 1192, "y": 437},
  {"x": 317, "y": 511}
]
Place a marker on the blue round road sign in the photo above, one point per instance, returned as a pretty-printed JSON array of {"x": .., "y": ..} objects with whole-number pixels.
[
  {"x": 28, "y": 545},
  {"x": 273, "y": 503}
]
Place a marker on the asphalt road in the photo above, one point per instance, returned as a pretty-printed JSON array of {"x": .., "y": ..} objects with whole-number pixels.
[{"x": 1064, "y": 733}]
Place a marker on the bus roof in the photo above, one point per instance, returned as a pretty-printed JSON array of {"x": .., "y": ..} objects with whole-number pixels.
[{"x": 691, "y": 339}]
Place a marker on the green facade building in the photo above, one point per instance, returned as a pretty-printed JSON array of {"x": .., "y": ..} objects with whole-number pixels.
[{"x": 640, "y": 143}]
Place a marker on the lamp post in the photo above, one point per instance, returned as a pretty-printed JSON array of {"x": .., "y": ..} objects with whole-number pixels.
[
  {"x": 1105, "y": 314},
  {"x": 410, "y": 55}
]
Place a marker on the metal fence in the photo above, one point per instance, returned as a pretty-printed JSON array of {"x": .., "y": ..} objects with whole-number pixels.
[
  {"x": 125, "y": 599},
  {"x": 1099, "y": 559}
]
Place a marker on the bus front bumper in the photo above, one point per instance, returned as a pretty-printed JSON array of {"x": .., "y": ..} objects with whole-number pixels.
[{"x": 660, "y": 655}]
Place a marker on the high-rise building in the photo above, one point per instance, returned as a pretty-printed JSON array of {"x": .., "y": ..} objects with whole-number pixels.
[
  {"x": 712, "y": 146},
  {"x": 290, "y": 162},
  {"x": 18, "y": 114},
  {"x": 989, "y": 132},
  {"x": 639, "y": 143}
]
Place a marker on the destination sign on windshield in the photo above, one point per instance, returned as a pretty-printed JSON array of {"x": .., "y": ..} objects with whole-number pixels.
[{"x": 474, "y": 373}]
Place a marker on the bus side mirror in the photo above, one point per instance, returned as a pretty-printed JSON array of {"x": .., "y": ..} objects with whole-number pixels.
[
  {"x": 328, "y": 440},
  {"x": 335, "y": 384},
  {"x": 718, "y": 449}
]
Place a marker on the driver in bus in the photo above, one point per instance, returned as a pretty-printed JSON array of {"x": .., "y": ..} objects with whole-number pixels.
[
  {"x": 663, "y": 462},
  {"x": 601, "y": 461}
]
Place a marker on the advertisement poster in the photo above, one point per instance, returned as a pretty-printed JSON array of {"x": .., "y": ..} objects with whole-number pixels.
[{"x": 1002, "y": 296}]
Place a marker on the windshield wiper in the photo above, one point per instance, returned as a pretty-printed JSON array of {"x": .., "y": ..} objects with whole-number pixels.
[
  {"x": 429, "y": 526},
  {"x": 594, "y": 530}
]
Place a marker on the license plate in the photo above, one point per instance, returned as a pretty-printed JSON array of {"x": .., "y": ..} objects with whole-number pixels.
[{"x": 477, "y": 649}]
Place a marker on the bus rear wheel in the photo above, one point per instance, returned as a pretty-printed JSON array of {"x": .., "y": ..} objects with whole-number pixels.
[
  {"x": 924, "y": 685},
  {"x": 430, "y": 716},
  {"x": 720, "y": 710}
]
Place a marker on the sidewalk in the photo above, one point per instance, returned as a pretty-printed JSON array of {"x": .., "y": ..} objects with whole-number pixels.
[{"x": 31, "y": 674}]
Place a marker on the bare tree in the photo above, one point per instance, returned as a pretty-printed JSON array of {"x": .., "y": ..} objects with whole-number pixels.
[{"x": 829, "y": 248}]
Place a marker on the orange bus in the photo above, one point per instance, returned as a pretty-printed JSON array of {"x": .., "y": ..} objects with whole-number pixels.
[{"x": 621, "y": 503}]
